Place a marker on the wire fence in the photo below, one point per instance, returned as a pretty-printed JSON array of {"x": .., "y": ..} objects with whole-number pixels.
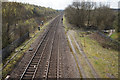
[
  {"x": 107, "y": 37},
  {"x": 10, "y": 48}
]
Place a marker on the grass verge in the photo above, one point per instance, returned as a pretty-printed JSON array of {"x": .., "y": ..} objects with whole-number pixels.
[
  {"x": 85, "y": 66},
  {"x": 104, "y": 60},
  {"x": 68, "y": 30}
]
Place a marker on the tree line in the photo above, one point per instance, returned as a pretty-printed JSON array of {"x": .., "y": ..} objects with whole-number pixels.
[
  {"x": 92, "y": 15},
  {"x": 19, "y": 18}
]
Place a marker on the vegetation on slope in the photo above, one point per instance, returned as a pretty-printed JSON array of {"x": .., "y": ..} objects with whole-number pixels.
[
  {"x": 90, "y": 15},
  {"x": 20, "y": 53},
  {"x": 103, "y": 58},
  {"x": 101, "y": 52},
  {"x": 19, "y": 18}
]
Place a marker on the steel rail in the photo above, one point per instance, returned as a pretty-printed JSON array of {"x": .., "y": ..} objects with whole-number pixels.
[
  {"x": 35, "y": 54},
  {"x": 48, "y": 62},
  {"x": 39, "y": 60},
  {"x": 8, "y": 61}
]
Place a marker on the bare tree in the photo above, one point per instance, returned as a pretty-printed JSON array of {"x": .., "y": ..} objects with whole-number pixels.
[
  {"x": 85, "y": 14},
  {"x": 90, "y": 6}
]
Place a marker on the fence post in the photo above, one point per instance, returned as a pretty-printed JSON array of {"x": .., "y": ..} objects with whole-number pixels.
[{"x": 10, "y": 48}]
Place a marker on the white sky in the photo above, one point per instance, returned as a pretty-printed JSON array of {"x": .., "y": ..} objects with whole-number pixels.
[{"x": 61, "y": 4}]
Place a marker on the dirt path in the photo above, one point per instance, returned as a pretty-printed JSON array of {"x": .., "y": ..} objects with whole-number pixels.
[
  {"x": 86, "y": 59},
  {"x": 77, "y": 60}
]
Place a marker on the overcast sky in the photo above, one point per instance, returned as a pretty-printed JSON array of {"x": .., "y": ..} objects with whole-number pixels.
[{"x": 61, "y": 4}]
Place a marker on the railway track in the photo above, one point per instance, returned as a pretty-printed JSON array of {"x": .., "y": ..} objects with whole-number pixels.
[
  {"x": 53, "y": 71},
  {"x": 18, "y": 52},
  {"x": 52, "y": 58},
  {"x": 41, "y": 63}
]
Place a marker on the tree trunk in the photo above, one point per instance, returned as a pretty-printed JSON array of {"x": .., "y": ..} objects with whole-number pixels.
[{"x": 7, "y": 32}]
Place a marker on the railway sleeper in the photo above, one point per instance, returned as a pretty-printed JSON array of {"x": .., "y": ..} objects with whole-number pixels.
[
  {"x": 36, "y": 57},
  {"x": 28, "y": 74},
  {"x": 33, "y": 66},
  {"x": 34, "y": 63},
  {"x": 31, "y": 70},
  {"x": 50, "y": 76},
  {"x": 38, "y": 54},
  {"x": 26, "y": 77}
]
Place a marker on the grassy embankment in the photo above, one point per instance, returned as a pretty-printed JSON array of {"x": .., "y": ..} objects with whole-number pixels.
[
  {"x": 104, "y": 60},
  {"x": 13, "y": 62},
  {"x": 69, "y": 31},
  {"x": 20, "y": 18}
]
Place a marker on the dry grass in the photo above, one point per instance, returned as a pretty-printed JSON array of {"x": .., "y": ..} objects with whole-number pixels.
[
  {"x": 103, "y": 59},
  {"x": 86, "y": 68}
]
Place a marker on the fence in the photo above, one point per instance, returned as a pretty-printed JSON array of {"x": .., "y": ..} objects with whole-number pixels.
[
  {"x": 10, "y": 48},
  {"x": 107, "y": 37}
]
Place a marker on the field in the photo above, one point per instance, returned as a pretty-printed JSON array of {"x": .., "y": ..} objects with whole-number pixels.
[
  {"x": 102, "y": 54},
  {"x": 115, "y": 36}
]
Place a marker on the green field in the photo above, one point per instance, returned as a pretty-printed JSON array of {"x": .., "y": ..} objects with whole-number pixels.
[{"x": 115, "y": 36}]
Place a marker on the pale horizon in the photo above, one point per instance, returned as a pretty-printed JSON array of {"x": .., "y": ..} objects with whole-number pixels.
[{"x": 62, "y": 4}]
